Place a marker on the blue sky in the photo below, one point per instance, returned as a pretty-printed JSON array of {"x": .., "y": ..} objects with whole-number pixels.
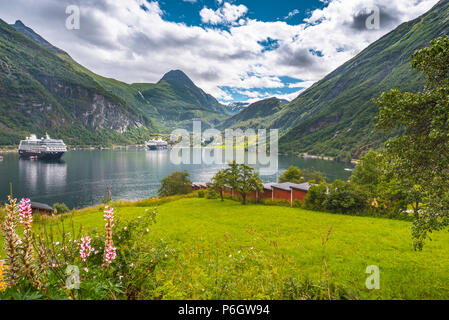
[
  {"x": 186, "y": 11},
  {"x": 236, "y": 50}
]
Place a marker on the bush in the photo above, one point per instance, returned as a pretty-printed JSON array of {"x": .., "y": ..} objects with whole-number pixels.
[
  {"x": 276, "y": 202},
  {"x": 211, "y": 194},
  {"x": 175, "y": 184},
  {"x": 60, "y": 208},
  {"x": 316, "y": 196},
  {"x": 201, "y": 193},
  {"x": 345, "y": 198},
  {"x": 297, "y": 204}
]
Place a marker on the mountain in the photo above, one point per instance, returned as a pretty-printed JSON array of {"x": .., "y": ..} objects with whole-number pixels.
[
  {"x": 251, "y": 115},
  {"x": 236, "y": 107},
  {"x": 335, "y": 116},
  {"x": 171, "y": 103},
  {"x": 30, "y": 34},
  {"x": 176, "y": 100},
  {"x": 42, "y": 92}
]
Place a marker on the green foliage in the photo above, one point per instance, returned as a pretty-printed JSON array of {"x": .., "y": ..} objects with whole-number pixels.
[
  {"x": 368, "y": 172},
  {"x": 316, "y": 196},
  {"x": 211, "y": 194},
  {"x": 293, "y": 175},
  {"x": 201, "y": 194},
  {"x": 243, "y": 179},
  {"x": 61, "y": 208},
  {"x": 176, "y": 183},
  {"x": 419, "y": 157},
  {"x": 344, "y": 197},
  {"x": 219, "y": 182}
]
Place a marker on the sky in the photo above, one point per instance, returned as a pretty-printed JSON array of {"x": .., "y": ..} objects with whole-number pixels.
[{"x": 236, "y": 50}]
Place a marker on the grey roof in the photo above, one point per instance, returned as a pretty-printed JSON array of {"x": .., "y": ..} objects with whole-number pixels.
[
  {"x": 286, "y": 186},
  {"x": 199, "y": 184},
  {"x": 38, "y": 205},
  {"x": 269, "y": 185}
]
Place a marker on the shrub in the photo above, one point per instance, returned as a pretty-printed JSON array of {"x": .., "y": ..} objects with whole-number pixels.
[
  {"x": 211, "y": 194},
  {"x": 201, "y": 193},
  {"x": 61, "y": 208},
  {"x": 292, "y": 174},
  {"x": 297, "y": 204},
  {"x": 316, "y": 196},
  {"x": 276, "y": 202},
  {"x": 175, "y": 184},
  {"x": 345, "y": 198}
]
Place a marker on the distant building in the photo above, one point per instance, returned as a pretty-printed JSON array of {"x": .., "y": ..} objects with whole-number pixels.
[
  {"x": 41, "y": 208},
  {"x": 287, "y": 191},
  {"x": 199, "y": 185}
]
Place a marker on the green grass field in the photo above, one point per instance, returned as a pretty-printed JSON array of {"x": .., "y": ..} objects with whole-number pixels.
[{"x": 214, "y": 242}]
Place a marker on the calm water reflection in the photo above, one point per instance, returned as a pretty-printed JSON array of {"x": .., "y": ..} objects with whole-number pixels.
[{"x": 82, "y": 177}]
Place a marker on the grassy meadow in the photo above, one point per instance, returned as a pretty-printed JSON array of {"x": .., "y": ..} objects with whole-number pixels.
[{"x": 223, "y": 250}]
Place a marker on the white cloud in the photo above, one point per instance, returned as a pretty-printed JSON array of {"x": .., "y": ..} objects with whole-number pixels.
[
  {"x": 227, "y": 14},
  {"x": 118, "y": 39},
  {"x": 291, "y": 14}
]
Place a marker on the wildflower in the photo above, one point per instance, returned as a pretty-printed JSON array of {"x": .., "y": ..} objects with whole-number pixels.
[
  {"x": 86, "y": 269},
  {"x": 3, "y": 285},
  {"x": 109, "y": 249},
  {"x": 11, "y": 242},
  {"x": 131, "y": 265},
  {"x": 148, "y": 230},
  {"x": 85, "y": 249}
]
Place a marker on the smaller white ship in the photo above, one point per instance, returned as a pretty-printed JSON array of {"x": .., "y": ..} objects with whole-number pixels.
[{"x": 158, "y": 144}]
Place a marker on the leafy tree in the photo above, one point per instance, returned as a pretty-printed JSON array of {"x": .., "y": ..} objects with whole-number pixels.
[
  {"x": 316, "y": 196},
  {"x": 219, "y": 182},
  {"x": 292, "y": 174},
  {"x": 420, "y": 155},
  {"x": 314, "y": 176},
  {"x": 368, "y": 172},
  {"x": 60, "y": 208},
  {"x": 243, "y": 179},
  {"x": 174, "y": 184},
  {"x": 345, "y": 197}
]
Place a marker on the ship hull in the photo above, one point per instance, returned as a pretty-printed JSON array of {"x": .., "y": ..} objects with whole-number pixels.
[
  {"x": 155, "y": 148},
  {"x": 50, "y": 156}
]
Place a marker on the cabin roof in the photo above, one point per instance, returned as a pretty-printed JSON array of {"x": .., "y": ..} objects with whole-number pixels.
[
  {"x": 41, "y": 206},
  {"x": 287, "y": 186}
]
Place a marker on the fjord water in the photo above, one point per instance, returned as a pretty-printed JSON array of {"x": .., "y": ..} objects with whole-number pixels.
[{"x": 81, "y": 179}]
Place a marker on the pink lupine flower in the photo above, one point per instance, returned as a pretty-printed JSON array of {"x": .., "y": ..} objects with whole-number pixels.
[
  {"x": 25, "y": 213},
  {"x": 110, "y": 254},
  {"x": 109, "y": 249},
  {"x": 85, "y": 249}
]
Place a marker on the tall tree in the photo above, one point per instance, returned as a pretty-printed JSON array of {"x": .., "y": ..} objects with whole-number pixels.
[
  {"x": 175, "y": 183},
  {"x": 292, "y": 174},
  {"x": 243, "y": 179},
  {"x": 420, "y": 155},
  {"x": 219, "y": 182}
]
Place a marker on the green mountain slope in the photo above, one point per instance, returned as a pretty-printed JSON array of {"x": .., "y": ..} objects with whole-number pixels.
[
  {"x": 174, "y": 101},
  {"x": 334, "y": 117},
  {"x": 253, "y": 114},
  {"x": 42, "y": 92}
]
